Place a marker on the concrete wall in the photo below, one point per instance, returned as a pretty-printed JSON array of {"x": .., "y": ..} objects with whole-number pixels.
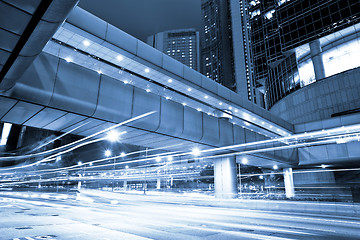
[{"x": 320, "y": 100}]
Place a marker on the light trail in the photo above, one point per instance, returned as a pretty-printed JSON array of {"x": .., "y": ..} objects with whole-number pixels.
[{"x": 80, "y": 140}]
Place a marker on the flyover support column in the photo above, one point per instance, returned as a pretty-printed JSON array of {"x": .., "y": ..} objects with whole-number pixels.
[
  {"x": 316, "y": 57},
  {"x": 225, "y": 177},
  {"x": 289, "y": 183},
  {"x": 158, "y": 183}
]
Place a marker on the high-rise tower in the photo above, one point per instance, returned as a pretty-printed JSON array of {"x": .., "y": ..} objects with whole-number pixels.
[{"x": 181, "y": 44}]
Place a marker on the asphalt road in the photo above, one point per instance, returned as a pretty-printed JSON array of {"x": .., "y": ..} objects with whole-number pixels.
[{"x": 102, "y": 215}]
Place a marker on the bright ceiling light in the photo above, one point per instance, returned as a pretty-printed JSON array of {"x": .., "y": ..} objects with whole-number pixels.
[
  {"x": 323, "y": 166},
  {"x": 167, "y": 98},
  {"x": 119, "y": 58},
  {"x": 206, "y": 97},
  {"x": 220, "y": 103},
  {"x": 68, "y": 59},
  {"x": 230, "y": 108},
  {"x": 148, "y": 90},
  {"x": 147, "y": 70},
  {"x": 122, "y": 154},
  {"x": 99, "y": 71},
  {"x": 199, "y": 109},
  {"x": 170, "y": 158},
  {"x": 107, "y": 153},
  {"x": 196, "y": 152},
  {"x": 79, "y": 162},
  {"x": 275, "y": 167},
  {"x": 86, "y": 43},
  {"x": 170, "y": 80},
  {"x": 113, "y": 136},
  {"x": 184, "y": 104},
  {"x": 126, "y": 166},
  {"x": 158, "y": 159},
  {"x": 189, "y": 89},
  {"x": 244, "y": 160}
]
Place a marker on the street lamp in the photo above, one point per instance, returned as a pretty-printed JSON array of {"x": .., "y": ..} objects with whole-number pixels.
[
  {"x": 113, "y": 136},
  {"x": 196, "y": 152},
  {"x": 107, "y": 153}
]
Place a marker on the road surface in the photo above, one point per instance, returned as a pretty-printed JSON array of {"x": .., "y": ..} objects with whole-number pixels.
[{"x": 103, "y": 215}]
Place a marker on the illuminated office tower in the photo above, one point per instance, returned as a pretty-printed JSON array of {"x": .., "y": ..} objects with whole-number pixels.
[{"x": 181, "y": 44}]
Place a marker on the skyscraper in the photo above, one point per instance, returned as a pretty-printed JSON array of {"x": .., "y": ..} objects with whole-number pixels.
[
  {"x": 181, "y": 44},
  {"x": 293, "y": 43},
  {"x": 216, "y": 43},
  {"x": 273, "y": 48},
  {"x": 224, "y": 47}
]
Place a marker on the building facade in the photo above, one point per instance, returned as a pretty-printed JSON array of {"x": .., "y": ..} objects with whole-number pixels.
[
  {"x": 295, "y": 43},
  {"x": 181, "y": 44},
  {"x": 225, "y": 47},
  {"x": 265, "y": 50}
]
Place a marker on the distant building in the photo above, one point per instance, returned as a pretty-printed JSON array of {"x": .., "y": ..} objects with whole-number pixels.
[{"x": 181, "y": 44}]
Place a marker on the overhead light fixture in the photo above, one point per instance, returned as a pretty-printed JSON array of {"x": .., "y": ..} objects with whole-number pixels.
[
  {"x": 275, "y": 167},
  {"x": 184, "y": 104},
  {"x": 148, "y": 90},
  {"x": 147, "y": 70},
  {"x": 167, "y": 98},
  {"x": 206, "y": 97},
  {"x": 244, "y": 160},
  {"x": 122, "y": 154},
  {"x": 189, "y": 89},
  {"x": 86, "y": 43},
  {"x": 158, "y": 159},
  {"x": 119, "y": 58},
  {"x": 199, "y": 109},
  {"x": 220, "y": 103},
  {"x": 170, "y": 158},
  {"x": 99, "y": 71},
  {"x": 323, "y": 166},
  {"x": 68, "y": 59},
  {"x": 170, "y": 80}
]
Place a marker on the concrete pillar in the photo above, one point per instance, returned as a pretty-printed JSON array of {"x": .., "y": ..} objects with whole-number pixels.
[
  {"x": 158, "y": 183},
  {"x": 289, "y": 183},
  {"x": 171, "y": 181},
  {"x": 125, "y": 185},
  {"x": 225, "y": 177},
  {"x": 316, "y": 57}
]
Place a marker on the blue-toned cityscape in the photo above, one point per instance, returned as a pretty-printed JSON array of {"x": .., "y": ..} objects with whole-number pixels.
[{"x": 247, "y": 127}]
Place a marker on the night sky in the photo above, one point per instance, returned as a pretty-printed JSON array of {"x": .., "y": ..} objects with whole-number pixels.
[{"x": 142, "y": 18}]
